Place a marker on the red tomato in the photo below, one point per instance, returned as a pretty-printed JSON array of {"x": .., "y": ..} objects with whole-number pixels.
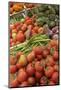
[
  {"x": 22, "y": 76},
  {"x": 14, "y": 83},
  {"x": 55, "y": 77},
  {"x": 38, "y": 75},
  {"x": 12, "y": 26},
  {"x": 30, "y": 70},
  {"x": 31, "y": 56},
  {"x": 38, "y": 66},
  {"x": 55, "y": 55},
  {"x": 36, "y": 29},
  {"x": 43, "y": 80},
  {"x": 14, "y": 31},
  {"x": 17, "y": 24},
  {"x": 13, "y": 68},
  {"x": 38, "y": 50},
  {"x": 27, "y": 18},
  {"x": 56, "y": 67},
  {"x": 51, "y": 83},
  {"x": 50, "y": 61},
  {"x": 45, "y": 53},
  {"x": 29, "y": 21},
  {"x": 30, "y": 27},
  {"x": 12, "y": 60},
  {"x": 31, "y": 81},
  {"x": 20, "y": 36},
  {"x": 39, "y": 57},
  {"x": 49, "y": 71},
  {"x": 24, "y": 27},
  {"x": 24, "y": 84}
]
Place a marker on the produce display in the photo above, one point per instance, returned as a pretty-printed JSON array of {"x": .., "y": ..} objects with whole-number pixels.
[
  {"x": 16, "y": 7},
  {"x": 34, "y": 45}
]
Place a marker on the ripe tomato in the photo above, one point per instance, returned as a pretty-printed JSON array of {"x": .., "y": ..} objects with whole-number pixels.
[
  {"x": 56, "y": 67},
  {"x": 36, "y": 29},
  {"x": 38, "y": 75},
  {"x": 22, "y": 76},
  {"x": 51, "y": 83},
  {"x": 31, "y": 56},
  {"x": 30, "y": 70},
  {"x": 38, "y": 50},
  {"x": 24, "y": 27},
  {"x": 49, "y": 71},
  {"x": 29, "y": 21},
  {"x": 55, "y": 77},
  {"x": 43, "y": 80},
  {"x": 55, "y": 55},
  {"x": 45, "y": 53},
  {"x": 24, "y": 84},
  {"x": 39, "y": 57},
  {"x": 14, "y": 83},
  {"x": 20, "y": 36},
  {"x": 12, "y": 60},
  {"x": 50, "y": 61},
  {"x": 30, "y": 27},
  {"x": 12, "y": 26},
  {"x": 13, "y": 68},
  {"x": 38, "y": 66},
  {"x": 31, "y": 81}
]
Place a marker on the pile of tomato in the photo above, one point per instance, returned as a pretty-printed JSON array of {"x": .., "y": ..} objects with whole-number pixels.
[
  {"x": 40, "y": 67},
  {"x": 20, "y": 31}
]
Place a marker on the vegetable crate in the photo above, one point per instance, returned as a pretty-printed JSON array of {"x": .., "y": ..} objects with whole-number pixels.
[{"x": 34, "y": 44}]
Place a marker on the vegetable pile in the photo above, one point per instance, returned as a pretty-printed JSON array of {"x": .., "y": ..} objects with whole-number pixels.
[
  {"x": 34, "y": 44},
  {"x": 42, "y": 62}
]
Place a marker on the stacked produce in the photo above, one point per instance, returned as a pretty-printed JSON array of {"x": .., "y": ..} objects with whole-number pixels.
[
  {"x": 34, "y": 45},
  {"x": 16, "y": 7}
]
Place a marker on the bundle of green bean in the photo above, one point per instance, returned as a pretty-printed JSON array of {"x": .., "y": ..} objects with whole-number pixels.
[{"x": 26, "y": 47}]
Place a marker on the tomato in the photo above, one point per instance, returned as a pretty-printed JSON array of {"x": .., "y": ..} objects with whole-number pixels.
[
  {"x": 22, "y": 75},
  {"x": 20, "y": 36},
  {"x": 12, "y": 26},
  {"x": 51, "y": 83},
  {"x": 49, "y": 71},
  {"x": 38, "y": 50},
  {"x": 41, "y": 30},
  {"x": 30, "y": 27},
  {"x": 13, "y": 68},
  {"x": 17, "y": 24},
  {"x": 29, "y": 21},
  {"x": 38, "y": 75},
  {"x": 12, "y": 60},
  {"x": 43, "y": 80},
  {"x": 14, "y": 31},
  {"x": 31, "y": 81},
  {"x": 36, "y": 29},
  {"x": 24, "y": 27},
  {"x": 31, "y": 56},
  {"x": 55, "y": 55},
  {"x": 39, "y": 57},
  {"x": 38, "y": 66},
  {"x": 45, "y": 53},
  {"x": 27, "y": 18},
  {"x": 30, "y": 70},
  {"x": 24, "y": 84},
  {"x": 50, "y": 61},
  {"x": 14, "y": 83},
  {"x": 56, "y": 67},
  {"x": 55, "y": 77}
]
